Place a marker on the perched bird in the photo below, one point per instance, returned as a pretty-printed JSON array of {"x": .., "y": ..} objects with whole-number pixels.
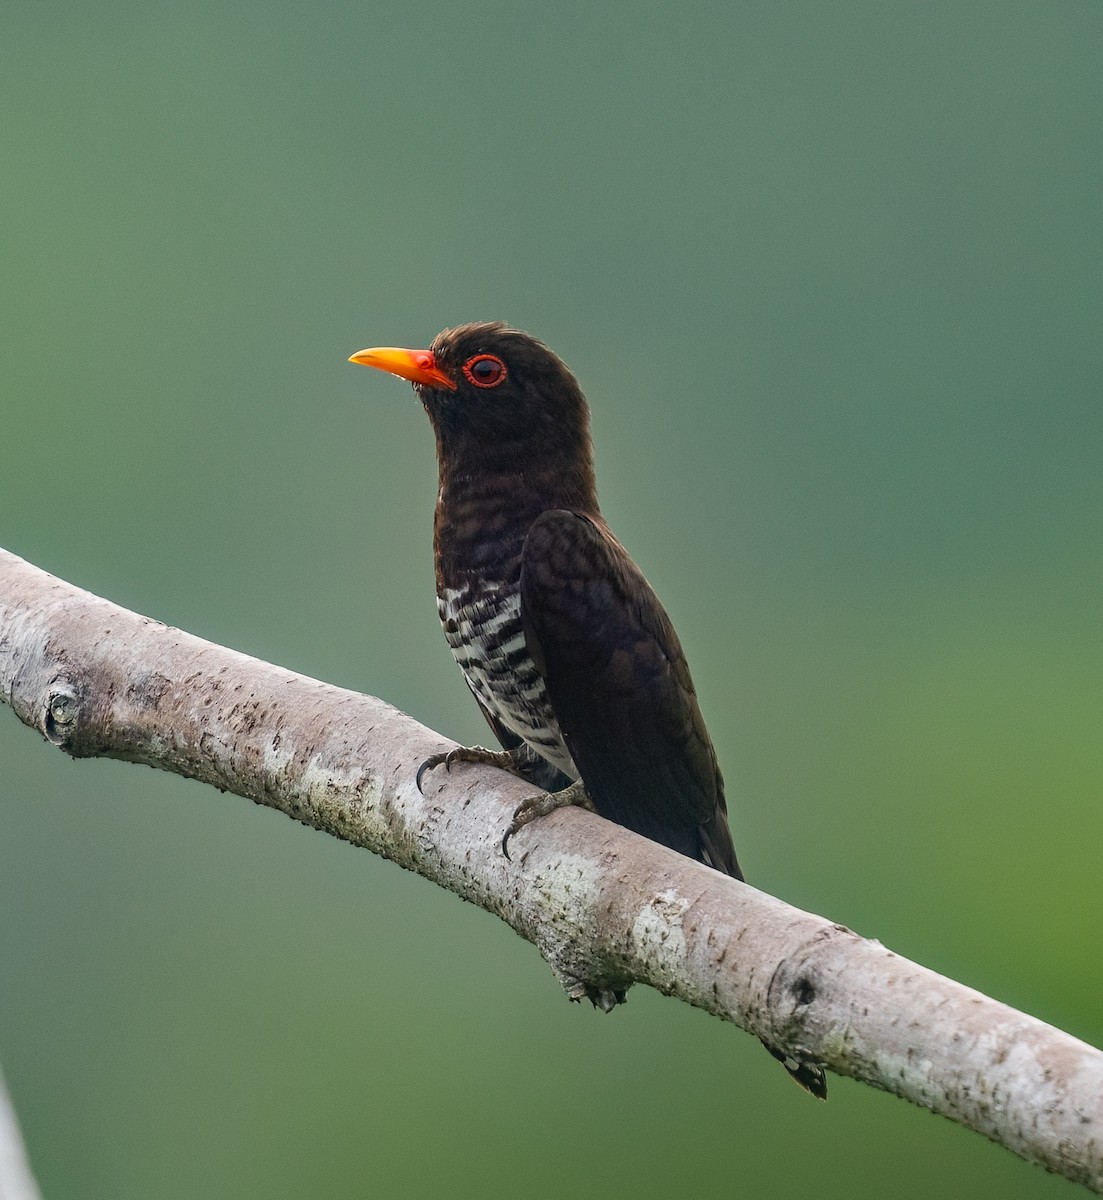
[{"x": 560, "y": 638}]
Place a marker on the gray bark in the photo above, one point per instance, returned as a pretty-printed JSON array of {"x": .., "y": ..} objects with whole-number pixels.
[
  {"x": 605, "y": 907},
  {"x": 16, "y": 1180}
]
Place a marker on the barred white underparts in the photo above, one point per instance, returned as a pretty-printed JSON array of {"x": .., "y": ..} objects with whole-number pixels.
[{"x": 482, "y": 623}]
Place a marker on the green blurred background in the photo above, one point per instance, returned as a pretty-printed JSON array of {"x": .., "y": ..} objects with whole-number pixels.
[{"x": 830, "y": 275}]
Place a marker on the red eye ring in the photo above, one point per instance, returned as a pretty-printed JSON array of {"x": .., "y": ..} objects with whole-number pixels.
[{"x": 485, "y": 370}]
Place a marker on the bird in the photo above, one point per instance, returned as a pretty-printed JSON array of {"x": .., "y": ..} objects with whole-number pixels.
[{"x": 561, "y": 639}]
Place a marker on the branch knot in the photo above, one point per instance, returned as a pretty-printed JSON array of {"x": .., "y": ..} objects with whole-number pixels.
[{"x": 61, "y": 710}]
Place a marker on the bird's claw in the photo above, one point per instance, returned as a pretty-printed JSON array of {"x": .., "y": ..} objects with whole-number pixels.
[
  {"x": 434, "y": 760},
  {"x": 543, "y": 803},
  {"x": 530, "y": 808},
  {"x": 510, "y": 831},
  {"x": 469, "y": 754}
]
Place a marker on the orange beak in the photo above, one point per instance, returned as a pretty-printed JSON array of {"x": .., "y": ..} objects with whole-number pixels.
[{"x": 418, "y": 366}]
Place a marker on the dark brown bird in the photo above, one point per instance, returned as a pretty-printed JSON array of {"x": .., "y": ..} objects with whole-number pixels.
[{"x": 560, "y": 638}]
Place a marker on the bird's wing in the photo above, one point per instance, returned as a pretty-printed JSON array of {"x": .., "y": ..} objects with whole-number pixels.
[{"x": 620, "y": 688}]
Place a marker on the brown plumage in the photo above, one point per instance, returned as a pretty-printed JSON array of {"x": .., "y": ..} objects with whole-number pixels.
[{"x": 560, "y": 638}]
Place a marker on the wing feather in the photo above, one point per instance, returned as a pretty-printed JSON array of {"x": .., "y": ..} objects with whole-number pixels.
[{"x": 620, "y": 688}]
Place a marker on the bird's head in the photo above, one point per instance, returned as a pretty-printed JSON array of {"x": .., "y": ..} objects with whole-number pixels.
[{"x": 491, "y": 383}]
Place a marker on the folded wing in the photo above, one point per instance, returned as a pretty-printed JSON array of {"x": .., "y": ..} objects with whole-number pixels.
[{"x": 620, "y": 688}]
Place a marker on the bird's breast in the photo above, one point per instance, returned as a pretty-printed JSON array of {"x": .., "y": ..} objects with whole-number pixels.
[{"x": 482, "y": 624}]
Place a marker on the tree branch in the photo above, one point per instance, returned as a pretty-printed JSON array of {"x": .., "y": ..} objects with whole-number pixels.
[
  {"x": 16, "y": 1180},
  {"x": 605, "y": 907}
]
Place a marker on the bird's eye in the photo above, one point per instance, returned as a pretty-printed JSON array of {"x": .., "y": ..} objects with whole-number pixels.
[{"x": 485, "y": 370}]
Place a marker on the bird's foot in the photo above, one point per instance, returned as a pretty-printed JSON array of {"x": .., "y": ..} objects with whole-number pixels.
[
  {"x": 542, "y": 804},
  {"x": 506, "y": 759}
]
